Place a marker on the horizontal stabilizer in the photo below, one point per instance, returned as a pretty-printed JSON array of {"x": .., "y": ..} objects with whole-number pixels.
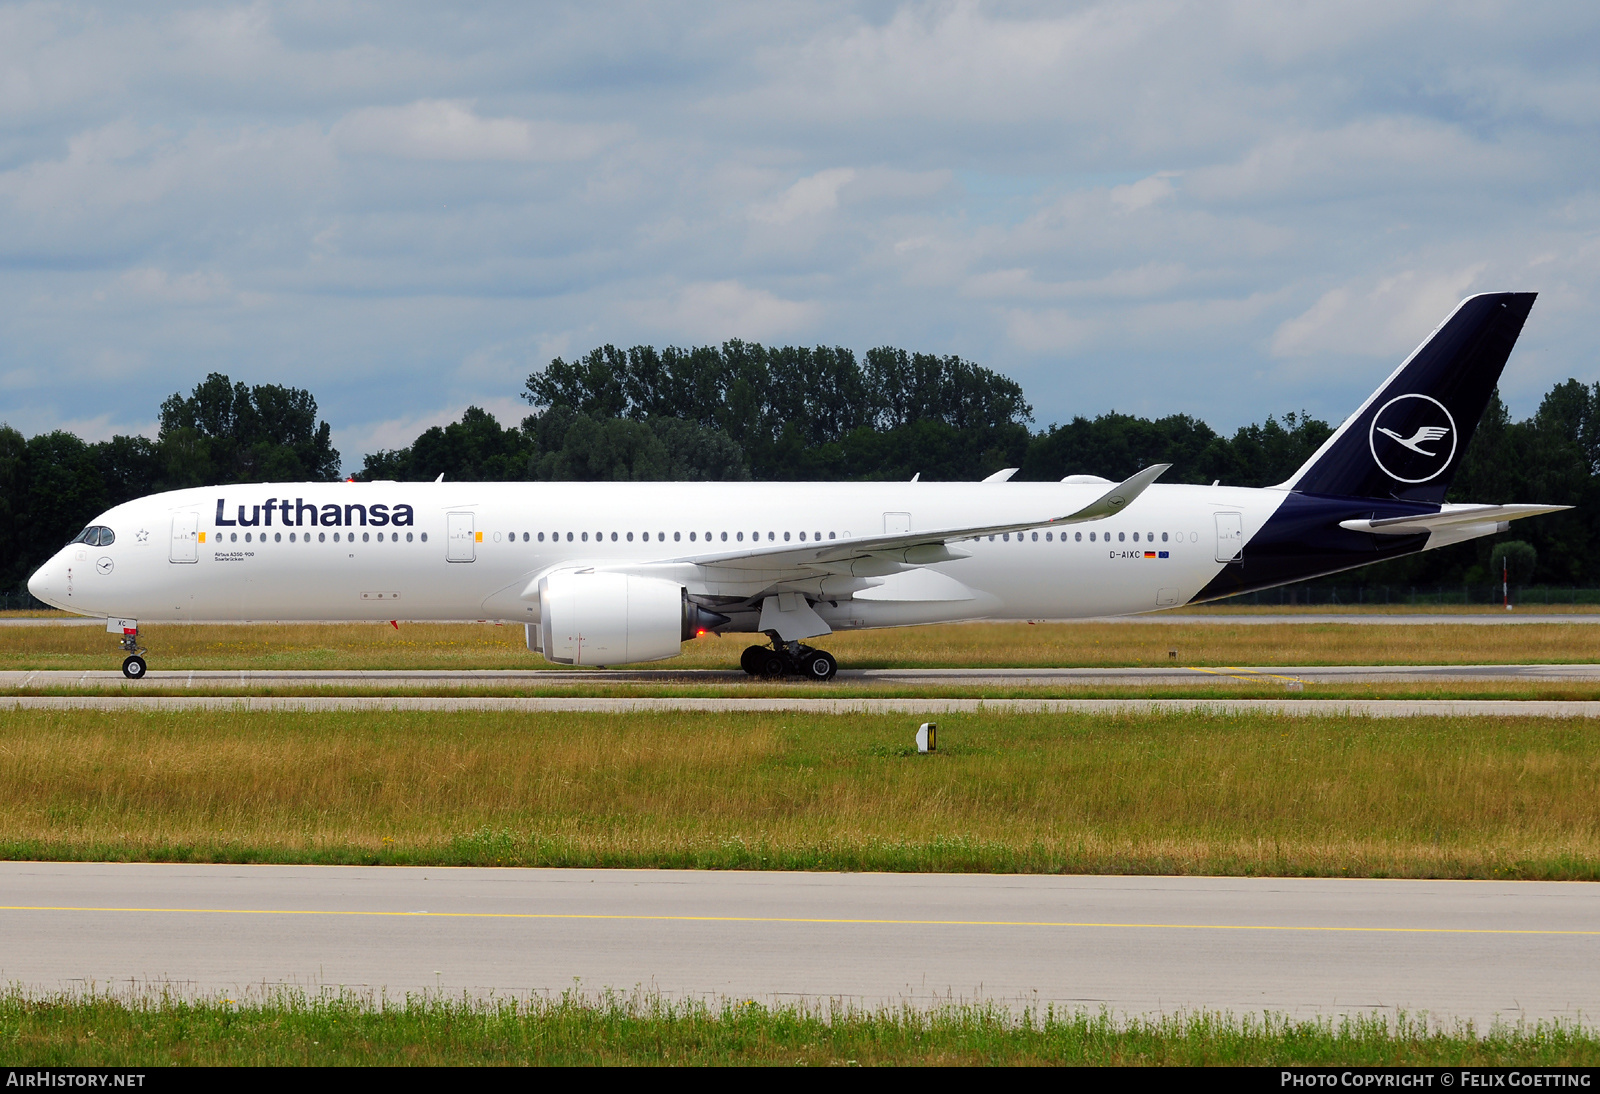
[{"x": 1447, "y": 518}]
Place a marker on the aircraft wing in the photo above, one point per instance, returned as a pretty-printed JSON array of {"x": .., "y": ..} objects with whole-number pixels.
[
  {"x": 1448, "y": 517},
  {"x": 919, "y": 548}
]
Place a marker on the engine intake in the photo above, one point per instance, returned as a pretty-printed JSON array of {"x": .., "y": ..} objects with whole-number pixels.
[{"x": 588, "y": 618}]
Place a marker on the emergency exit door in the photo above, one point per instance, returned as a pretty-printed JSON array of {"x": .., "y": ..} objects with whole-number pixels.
[{"x": 461, "y": 538}]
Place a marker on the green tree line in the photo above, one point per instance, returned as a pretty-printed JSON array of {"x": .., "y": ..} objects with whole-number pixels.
[{"x": 743, "y": 411}]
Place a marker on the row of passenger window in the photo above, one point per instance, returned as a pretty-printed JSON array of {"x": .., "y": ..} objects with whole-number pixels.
[
  {"x": 322, "y": 537},
  {"x": 772, "y": 537},
  {"x": 583, "y": 537},
  {"x": 1077, "y": 537},
  {"x": 661, "y": 537}
]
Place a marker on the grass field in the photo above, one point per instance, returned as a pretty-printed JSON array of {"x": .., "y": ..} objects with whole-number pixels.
[
  {"x": 295, "y": 1029},
  {"x": 1184, "y": 794},
  {"x": 996, "y": 645}
]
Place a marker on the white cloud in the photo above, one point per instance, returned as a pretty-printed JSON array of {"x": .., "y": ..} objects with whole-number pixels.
[
  {"x": 1147, "y": 191},
  {"x": 1186, "y": 324},
  {"x": 124, "y": 182},
  {"x": 810, "y": 196},
  {"x": 198, "y": 287},
  {"x": 824, "y": 191},
  {"x": 1150, "y": 279},
  {"x": 1363, "y": 156},
  {"x": 438, "y": 129},
  {"x": 394, "y": 207},
  {"x": 1050, "y": 330},
  {"x": 712, "y": 311},
  {"x": 1391, "y": 317}
]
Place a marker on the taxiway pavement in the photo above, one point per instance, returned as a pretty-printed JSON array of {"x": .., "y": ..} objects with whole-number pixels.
[
  {"x": 475, "y": 690},
  {"x": 527, "y": 679},
  {"x": 1475, "y": 950},
  {"x": 1307, "y": 708}
]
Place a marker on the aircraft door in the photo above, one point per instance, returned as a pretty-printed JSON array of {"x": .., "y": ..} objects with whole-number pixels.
[
  {"x": 1230, "y": 537},
  {"x": 896, "y": 522},
  {"x": 185, "y": 538},
  {"x": 462, "y": 540}
]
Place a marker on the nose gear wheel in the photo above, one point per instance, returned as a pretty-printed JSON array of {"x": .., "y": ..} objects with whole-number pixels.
[{"x": 133, "y": 666}]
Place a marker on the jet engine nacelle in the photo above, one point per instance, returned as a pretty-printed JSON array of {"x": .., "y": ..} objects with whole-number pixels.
[{"x": 588, "y": 618}]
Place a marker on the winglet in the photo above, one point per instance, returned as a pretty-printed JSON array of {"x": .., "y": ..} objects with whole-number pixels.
[{"x": 1118, "y": 498}]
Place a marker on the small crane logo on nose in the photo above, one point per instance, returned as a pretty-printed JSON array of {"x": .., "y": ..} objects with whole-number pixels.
[{"x": 104, "y": 565}]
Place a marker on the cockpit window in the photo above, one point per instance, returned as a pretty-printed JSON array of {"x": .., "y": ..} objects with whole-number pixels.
[{"x": 96, "y": 535}]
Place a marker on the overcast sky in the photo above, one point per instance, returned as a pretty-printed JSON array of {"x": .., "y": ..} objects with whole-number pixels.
[{"x": 1227, "y": 210}]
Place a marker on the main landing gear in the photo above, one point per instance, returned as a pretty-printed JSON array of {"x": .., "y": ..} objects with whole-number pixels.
[
  {"x": 133, "y": 665},
  {"x": 788, "y": 659}
]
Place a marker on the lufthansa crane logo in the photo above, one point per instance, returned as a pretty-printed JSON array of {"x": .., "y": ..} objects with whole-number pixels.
[{"x": 1413, "y": 438}]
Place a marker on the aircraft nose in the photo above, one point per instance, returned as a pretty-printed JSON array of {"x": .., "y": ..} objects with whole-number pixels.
[{"x": 39, "y": 584}]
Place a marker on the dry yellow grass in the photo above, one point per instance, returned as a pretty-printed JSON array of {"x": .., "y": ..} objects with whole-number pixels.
[
  {"x": 446, "y": 646},
  {"x": 1188, "y": 794}
]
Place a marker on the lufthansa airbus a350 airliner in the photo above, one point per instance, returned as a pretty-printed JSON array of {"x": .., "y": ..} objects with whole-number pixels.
[{"x": 616, "y": 573}]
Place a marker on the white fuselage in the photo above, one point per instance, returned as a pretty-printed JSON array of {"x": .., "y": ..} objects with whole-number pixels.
[{"x": 172, "y": 559}]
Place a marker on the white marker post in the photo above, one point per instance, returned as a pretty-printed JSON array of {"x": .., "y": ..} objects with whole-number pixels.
[{"x": 928, "y": 737}]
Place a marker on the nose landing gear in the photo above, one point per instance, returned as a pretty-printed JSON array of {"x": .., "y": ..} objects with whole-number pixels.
[
  {"x": 133, "y": 666},
  {"x": 788, "y": 659}
]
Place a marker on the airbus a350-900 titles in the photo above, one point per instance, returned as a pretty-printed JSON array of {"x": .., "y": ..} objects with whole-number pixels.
[{"x": 619, "y": 573}]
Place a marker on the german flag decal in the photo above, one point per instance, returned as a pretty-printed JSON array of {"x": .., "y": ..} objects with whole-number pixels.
[{"x": 1149, "y": 554}]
